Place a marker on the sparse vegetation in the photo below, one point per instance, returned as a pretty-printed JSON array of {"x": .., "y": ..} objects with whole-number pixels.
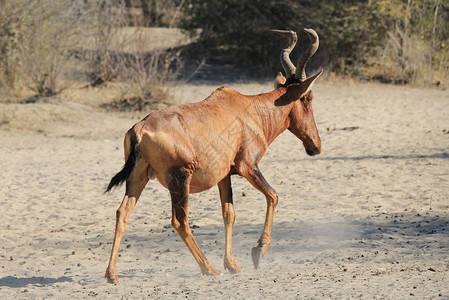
[
  {"x": 122, "y": 51},
  {"x": 38, "y": 39},
  {"x": 144, "y": 75},
  {"x": 414, "y": 48},
  {"x": 103, "y": 59},
  {"x": 397, "y": 41}
]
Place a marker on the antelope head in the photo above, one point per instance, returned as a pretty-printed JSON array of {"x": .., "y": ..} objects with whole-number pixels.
[{"x": 299, "y": 90}]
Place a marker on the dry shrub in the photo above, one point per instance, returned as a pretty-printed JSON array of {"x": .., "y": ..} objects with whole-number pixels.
[
  {"x": 104, "y": 61},
  {"x": 149, "y": 71},
  {"x": 152, "y": 12},
  {"x": 12, "y": 19},
  {"x": 127, "y": 55},
  {"x": 407, "y": 63},
  {"x": 414, "y": 48},
  {"x": 145, "y": 75},
  {"x": 38, "y": 37}
]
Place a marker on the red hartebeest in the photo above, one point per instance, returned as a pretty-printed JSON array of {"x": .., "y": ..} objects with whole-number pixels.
[{"x": 191, "y": 147}]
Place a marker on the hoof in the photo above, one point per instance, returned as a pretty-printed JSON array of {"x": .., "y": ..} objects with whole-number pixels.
[
  {"x": 111, "y": 278},
  {"x": 256, "y": 255}
]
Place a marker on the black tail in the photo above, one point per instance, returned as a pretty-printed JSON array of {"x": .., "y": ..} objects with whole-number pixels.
[{"x": 129, "y": 166}]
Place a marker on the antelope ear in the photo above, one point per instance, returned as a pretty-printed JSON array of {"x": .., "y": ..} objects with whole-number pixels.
[
  {"x": 280, "y": 80},
  {"x": 307, "y": 84}
]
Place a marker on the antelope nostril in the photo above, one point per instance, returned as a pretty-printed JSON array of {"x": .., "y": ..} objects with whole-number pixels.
[{"x": 312, "y": 151}]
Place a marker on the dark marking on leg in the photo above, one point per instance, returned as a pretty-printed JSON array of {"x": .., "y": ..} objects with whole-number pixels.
[
  {"x": 178, "y": 182},
  {"x": 262, "y": 179}
]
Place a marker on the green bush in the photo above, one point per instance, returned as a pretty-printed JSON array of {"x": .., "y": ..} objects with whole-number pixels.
[
  {"x": 352, "y": 33},
  {"x": 238, "y": 30}
]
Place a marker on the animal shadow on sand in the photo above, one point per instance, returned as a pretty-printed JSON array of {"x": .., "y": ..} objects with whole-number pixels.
[
  {"x": 407, "y": 228},
  {"x": 19, "y": 282}
]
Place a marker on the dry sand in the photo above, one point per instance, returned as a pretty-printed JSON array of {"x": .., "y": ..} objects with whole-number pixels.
[{"x": 368, "y": 218}]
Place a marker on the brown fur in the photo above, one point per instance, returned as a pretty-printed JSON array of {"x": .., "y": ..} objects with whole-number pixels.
[{"x": 191, "y": 147}]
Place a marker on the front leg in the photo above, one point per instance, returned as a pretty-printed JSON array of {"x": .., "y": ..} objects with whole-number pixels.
[
  {"x": 227, "y": 207},
  {"x": 255, "y": 177}
]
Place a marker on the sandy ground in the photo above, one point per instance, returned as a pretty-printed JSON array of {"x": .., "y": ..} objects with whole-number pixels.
[{"x": 368, "y": 218}]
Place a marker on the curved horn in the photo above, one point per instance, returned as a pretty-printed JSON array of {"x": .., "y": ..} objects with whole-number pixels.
[
  {"x": 314, "y": 43},
  {"x": 286, "y": 63}
]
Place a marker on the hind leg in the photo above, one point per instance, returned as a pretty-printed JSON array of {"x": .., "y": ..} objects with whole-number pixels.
[
  {"x": 178, "y": 184},
  {"x": 227, "y": 207},
  {"x": 134, "y": 186}
]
